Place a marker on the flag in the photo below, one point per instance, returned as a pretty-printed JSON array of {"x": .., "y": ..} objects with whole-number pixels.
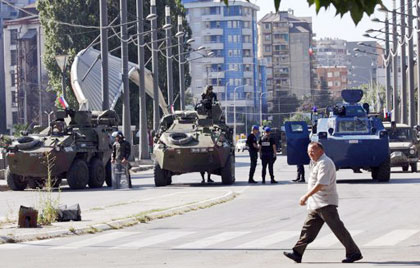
[
  {"x": 63, "y": 102},
  {"x": 310, "y": 51}
]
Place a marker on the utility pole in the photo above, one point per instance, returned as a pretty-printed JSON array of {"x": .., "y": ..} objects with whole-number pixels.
[
  {"x": 169, "y": 67},
  {"x": 143, "y": 141},
  {"x": 404, "y": 116},
  {"x": 181, "y": 65},
  {"x": 411, "y": 100},
  {"x": 388, "y": 66},
  {"x": 104, "y": 53},
  {"x": 155, "y": 68},
  {"x": 395, "y": 109},
  {"x": 418, "y": 62},
  {"x": 124, "y": 73}
]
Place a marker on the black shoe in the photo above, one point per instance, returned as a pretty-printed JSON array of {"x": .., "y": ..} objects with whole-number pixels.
[
  {"x": 298, "y": 179},
  {"x": 203, "y": 181},
  {"x": 252, "y": 181},
  {"x": 273, "y": 181},
  {"x": 352, "y": 258},
  {"x": 293, "y": 256},
  {"x": 210, "y": 181},
  {"x": 303, "y": 180},
  {"x": 263, "y": 181}
]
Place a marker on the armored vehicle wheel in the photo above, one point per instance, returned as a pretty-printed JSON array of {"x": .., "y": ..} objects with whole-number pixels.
[
  {"x": 413, "y": 167},
  {"x": 383, "y": 172},
  {"x": 228, "y": 171},
  {"x": 78, "y": 174},
  {"x": 96, "y": 173},
  {"x": 15, "y": 182},
  {"x": 162, "y": 177},
  {"x": 55, "y": 183},
  {"x": 108, "y": 174},
  {"x": 405, "y": 168}
]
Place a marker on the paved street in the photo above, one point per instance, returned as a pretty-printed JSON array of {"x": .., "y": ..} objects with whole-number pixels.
[{"x": 252, "y": 230}]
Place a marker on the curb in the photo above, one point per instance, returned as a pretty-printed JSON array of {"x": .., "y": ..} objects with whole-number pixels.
[{"x": 121, "y": 223}]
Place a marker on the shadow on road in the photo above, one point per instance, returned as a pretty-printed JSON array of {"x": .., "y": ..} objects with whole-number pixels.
[{"x": 370, "y": 181}]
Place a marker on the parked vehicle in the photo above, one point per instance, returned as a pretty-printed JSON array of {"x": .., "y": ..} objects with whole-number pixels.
[
  {"x": 403, "y": 145},
  {"x": 351, "y": 138}
]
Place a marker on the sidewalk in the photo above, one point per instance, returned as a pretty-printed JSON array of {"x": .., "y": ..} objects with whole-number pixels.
[{"x": 107, "y": 209}]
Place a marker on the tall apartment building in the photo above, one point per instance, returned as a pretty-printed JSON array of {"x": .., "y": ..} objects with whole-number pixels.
[
  {"x": 332, "y": 77},
  {"x": 331, "y": 52},
  {"x": 284, "y": 42},
  {"x": 25, "y": 80},
  {"x": 230, "y": 32},
  {"x": 7, "y": 12}
]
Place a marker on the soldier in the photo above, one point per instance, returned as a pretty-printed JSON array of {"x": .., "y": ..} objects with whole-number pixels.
[
  {"x": 253, "y": 148},
  {"x": 208, "y": 98},
  {"x": 267, "y": 154},
  {"x": 300, "y": 174},
  {"x": 121, "y": 150},
  {"x": 208, "y": 177}
]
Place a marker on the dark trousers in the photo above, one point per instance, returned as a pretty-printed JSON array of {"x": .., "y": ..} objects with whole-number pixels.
[
  {"x": 254, "y": 158},
  {"x": 313, "y": 224},
  {"x": 270, "y": 162},
  {"x": 300, "y": 172}
]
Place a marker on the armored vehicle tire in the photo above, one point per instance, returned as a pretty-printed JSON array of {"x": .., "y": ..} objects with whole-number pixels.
[
  {"x": 108, "y": 174},
  {"x": 78, "y": 174},
  {"x": 162, "y": 177},
  {"x": 180, "y": 138},
  {"x": 383, "y": 172},
  {"x": 413, "y": 167},
  {"x": 27, "y": 142},
  {"x": 405, "y": 168},
  {"x": 96, "y": 173},
  {"x": 228, "y": 171},
  {"x": 15, "y": 182}
]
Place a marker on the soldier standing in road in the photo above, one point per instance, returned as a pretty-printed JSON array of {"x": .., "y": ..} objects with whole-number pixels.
[
  {"x": 268, "y": 154},
  {"x": 121, "y": 150},
  {"x": 253, "y": 148},
  {"x": 322, "y": 205},
  {"x": 300, "y": 174}
]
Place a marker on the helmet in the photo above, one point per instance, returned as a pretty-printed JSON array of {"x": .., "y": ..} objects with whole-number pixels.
[
  {"x": 267, "y": 129},
  {"x": 255, "y": 127},
  {"x": 117, "y": 134},
  {"x": 209, "y": 87}
]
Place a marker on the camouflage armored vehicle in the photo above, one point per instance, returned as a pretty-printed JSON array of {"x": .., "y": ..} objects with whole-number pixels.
[
  {"x": 351, "y": 138},
  {"x": 78, "y": 144},
  {"x": 194, "y": 141},
  {"x": 404, "y": 146}
]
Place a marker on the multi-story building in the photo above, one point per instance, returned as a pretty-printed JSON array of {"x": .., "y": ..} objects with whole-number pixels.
[
  {"x": 25, "y": 80},
  {"x": 230, "y": 32},
  {"x": 284, "y": 42},
  {"x": 332, "y": 77},
  {"x": 7, "y": 12},
  {"x": 331, "y": 52}
]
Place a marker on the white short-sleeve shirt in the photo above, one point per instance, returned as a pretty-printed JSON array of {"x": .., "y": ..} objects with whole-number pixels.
[{"x": 323, "y": 172}]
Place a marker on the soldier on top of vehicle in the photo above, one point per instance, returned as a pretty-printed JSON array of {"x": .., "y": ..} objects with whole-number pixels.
[{"x": 208, "y": 98}]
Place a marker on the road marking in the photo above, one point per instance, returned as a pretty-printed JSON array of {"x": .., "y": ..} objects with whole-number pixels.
[
  {"x": 330, "y": 240},
  {"x": 392, "y": 238},
  {"x": 153, "y": 240},
  {"x": 212, "y": 240},
  {"x": 96, "y": 240},
  {"x": 269, "y": 240},
  {"x": 24, "y": 244}
]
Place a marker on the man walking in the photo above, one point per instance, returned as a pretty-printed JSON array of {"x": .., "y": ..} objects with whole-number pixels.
[
  {"x": 268, "y": 154},
  {"x": 121, "y": 150},
  {"x": 251, "y": 142},
  {"x": 322, "y": 205}
]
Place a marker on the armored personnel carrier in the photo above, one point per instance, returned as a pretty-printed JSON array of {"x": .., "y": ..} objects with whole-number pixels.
[
  {"x": 351, "y": 138},
  {"x": 77, "y": 145},
  {"x": 194, "y": 141}
]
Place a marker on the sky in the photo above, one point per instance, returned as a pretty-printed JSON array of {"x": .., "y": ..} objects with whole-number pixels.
[{"x": 326, "y": 24}]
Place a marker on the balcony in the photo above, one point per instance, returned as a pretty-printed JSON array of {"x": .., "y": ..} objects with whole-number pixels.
[
  {"x": 214, "y": 31},
  {"x": 247, "y": 31},
  {"x": 248, "y": 60},
  {"x": 214, "y": 45},
  {"x": 249, "y": 89},
  {"x": 210, "y": 17},
  {"x": 248, "y": 74},
  {"x": 219, "y": 89},
  {"x": 247, "y": 46},
  {"x": 217, "y": 75},
  {"x": 239, "y": 103},
  {"x": 213, "y": 60}
]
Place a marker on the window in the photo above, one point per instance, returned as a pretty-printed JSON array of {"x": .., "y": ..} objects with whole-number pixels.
[
  {"x": 267, "y": 37},
  {"x": 329, "y": 74},
  {"x": 330, "y": 83},
  {"x": 13, "y": 37},
  {"x": 247, "y": 25},
  {"x": 267, "y": 48},
  {"x": 246, "y": 38},
  {"x": 336, "y": 74},
  {"x": 15, "y": 118},
  {"x": 337, "y": 83},
  {"x": 13, "y": 57},
  {"x": 267, "y": 26},
  {"x": 247, "y": 53},
  {"x": 12, "y": 78},
  {"x": 14, "y": 99},
  {"x": 247, "y": 67},
  {"x": 352, "y": 126}
]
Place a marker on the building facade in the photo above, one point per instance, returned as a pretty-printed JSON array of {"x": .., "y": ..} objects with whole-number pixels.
[
  {"x": 331, "y": 52},
  {"x": 7, "y": 12},
  {"x": 284, "y": 43},
  {"x": 230, "y": 32},
  {"x": 332, "y": 77},
  {"x": 25, "y": 76}
]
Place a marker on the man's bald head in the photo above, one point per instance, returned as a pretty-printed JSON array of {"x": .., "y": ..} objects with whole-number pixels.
[{"x": 315, "y": 150}]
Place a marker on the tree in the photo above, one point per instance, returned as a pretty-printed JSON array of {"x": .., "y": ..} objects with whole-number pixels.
[
  {"x": 65, "y": 39},
  {"x": 356, "y": 7},
  {"x": 374, "y": 95}
]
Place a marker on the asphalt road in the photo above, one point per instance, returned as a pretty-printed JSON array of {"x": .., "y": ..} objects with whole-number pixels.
[{"x": 251, "y": 230}]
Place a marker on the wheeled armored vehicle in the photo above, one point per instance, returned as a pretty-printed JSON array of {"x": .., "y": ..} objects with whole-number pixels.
[
  {"x": 75, "y": 146},
  {"x": 351, "y": 138},
  {"x": 194, "y": 141},
  {"x": 404, "y": 146}
]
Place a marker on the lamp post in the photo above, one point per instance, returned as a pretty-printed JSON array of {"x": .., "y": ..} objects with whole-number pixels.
[
  {"x": 49, "y": 117},
  {"x": 261, "y": 119},
  {"x": 169, "y": 67},
  {"x": 62, "y": 63},
  {"x": 234, "y": 111},
  {"x": 181, "y": 64},
  {"x": 226, "y": 99}
]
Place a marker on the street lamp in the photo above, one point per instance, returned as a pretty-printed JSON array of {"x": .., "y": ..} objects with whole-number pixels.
[
  {"x": 62, "y": 62},
  {"x": 49, "y": 117},
  {"x": 261, "y": 94},
  {"x": 234, "y": 111}
]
